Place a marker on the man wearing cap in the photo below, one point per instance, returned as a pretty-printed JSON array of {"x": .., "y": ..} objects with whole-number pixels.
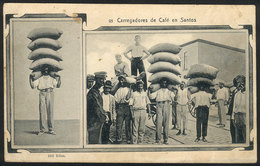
[
  {"x": 137, "y": 51},
  {"x": 238, "y": 111},
  {"x": 123, "y": 110},
  {"x": 95, "y": 112},
  {"x": 90, "y": 81},
  {"x": 109, "y": 109},
  {"x": 45, "y": 84},
  {"x": 222, "y": 98},
  {"x": 139, "y": 102},
  {"x": 183, "y": 98},
  {"x": 163, "y": 98}
]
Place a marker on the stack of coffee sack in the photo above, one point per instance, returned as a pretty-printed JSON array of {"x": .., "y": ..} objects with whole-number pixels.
[
  {"x": 201, "y": 75},
  {"x": 164, "y": 64},
  {"x": 44, "y": 53}
]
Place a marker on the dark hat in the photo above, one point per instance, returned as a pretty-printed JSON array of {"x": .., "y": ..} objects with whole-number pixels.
[
  {"x": 101, "y": 74},
  {"x": 108, "y": 84},
  {"x": 121, "y": 76},
  {"x": 90, "y": 77},
  {"x": 139, "y": 82}
]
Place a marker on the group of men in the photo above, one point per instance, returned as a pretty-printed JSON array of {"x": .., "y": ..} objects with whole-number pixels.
[
  {"x": 123, "y": 103},
  {"x": 130, "y": 106},
  {"x": 120, "y": 103},
  {"x": 127, "y": 104}
]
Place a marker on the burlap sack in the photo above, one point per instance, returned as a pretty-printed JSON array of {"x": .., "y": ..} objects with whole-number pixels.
[
  {"x": 44, "y": 43},
  {"x": 44, "y": 53},
  {"x": 52, "y": 64},
  {"x": 164, "y": 66},
  {"x": 164, "y": 57},
  {"x": 172, "y": 78},
  {"x": 45, "y": 32},
  {"x": 202, "y": 70},
  {"x": 165, "y": 47},
  {"x": 200, "y": 81}
]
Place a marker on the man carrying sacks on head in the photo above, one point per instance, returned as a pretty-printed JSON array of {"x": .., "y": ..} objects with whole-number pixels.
[
  {"x": 139, "y": 102},
  {"x": 137, "y": 58},
  {"x": 45, "y": 84},
  {"x": 163, "y": 98},
  {"x": 202, "y": 101}
]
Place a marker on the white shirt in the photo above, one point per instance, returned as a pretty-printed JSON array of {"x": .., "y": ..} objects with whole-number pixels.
[
  {"x": 45, "y": 82},
  {"x": 121, "y": 94},
  {"x": 239, "y": 102},
  {"x": 163, "y": 94},
  {"x": 182, "y": 96},
  {"x": 201, "y": 98},
  {"x": 139, "y": 100},
  {"x": 106, "y": 102},
  {"x": 222, "y": 94},
  {"x": 136, "y": 50}
]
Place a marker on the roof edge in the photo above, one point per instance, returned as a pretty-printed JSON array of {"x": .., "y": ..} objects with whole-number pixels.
[{"x": 215, "y": 44}]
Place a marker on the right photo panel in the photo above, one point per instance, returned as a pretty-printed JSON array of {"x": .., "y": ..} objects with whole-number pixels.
[{"x": 168, "y": 89}]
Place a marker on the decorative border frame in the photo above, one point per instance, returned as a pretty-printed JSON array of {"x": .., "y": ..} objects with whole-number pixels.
[
  {"x": 124, "y": 29},
  {"x": 9, "y": 98}
]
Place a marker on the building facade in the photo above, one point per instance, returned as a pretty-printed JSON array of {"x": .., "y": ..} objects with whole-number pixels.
[{"x": 230, "y": 61}]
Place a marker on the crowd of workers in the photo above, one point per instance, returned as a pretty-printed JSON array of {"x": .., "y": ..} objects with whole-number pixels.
[{"x": 123, "y": 103}]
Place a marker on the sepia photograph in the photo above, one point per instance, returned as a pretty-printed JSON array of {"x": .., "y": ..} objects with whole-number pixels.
[
  {"x": 167, "y": 87},
  {"x": 129, "y": 83},
  {"x": 46, "y": 65}
]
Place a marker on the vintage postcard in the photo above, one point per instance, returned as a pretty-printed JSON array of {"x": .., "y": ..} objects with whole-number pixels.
[{"x": 130, "y": 83}]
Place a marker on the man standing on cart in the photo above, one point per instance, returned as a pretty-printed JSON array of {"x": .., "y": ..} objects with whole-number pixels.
[{"x": 137, "y": 51}]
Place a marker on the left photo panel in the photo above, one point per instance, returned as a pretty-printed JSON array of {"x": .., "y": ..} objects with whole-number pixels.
[{"x": 46, "y": 90}]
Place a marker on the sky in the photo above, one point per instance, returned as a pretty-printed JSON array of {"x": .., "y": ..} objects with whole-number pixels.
[
  {"x": 102, "y": 48},
  {"x": 67, "y": 99}
]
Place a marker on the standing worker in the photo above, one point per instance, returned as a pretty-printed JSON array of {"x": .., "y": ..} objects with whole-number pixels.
[
  {"x": 238, "y": 111},
  {"x": 183, "y": 98},
  {"x": 137, "y": 52},
  {"x": 109, "y": 108},
  {"x": 163, "y": 98},
  {"x": 222, "y": 98},
  {"x": 123, "y": 111},
  {"x": 95, "y": 112},
  {"x": 45, "y": 84},
  {"x": 139, "y": 102},
  {"x": 202, "y": 101}
]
